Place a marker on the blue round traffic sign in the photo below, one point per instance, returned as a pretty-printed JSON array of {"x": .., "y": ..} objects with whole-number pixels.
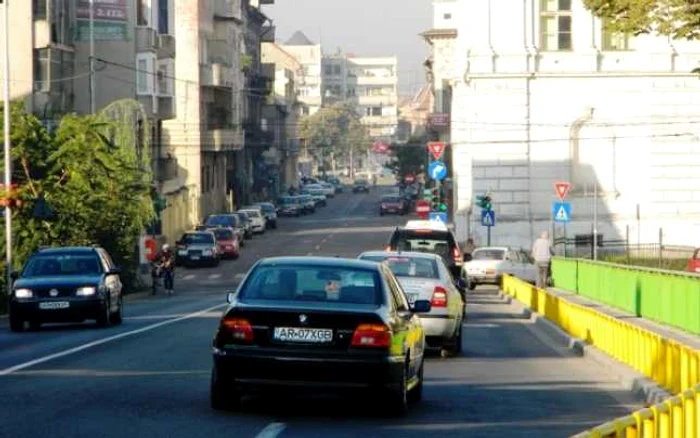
[{"x": 437, "y": 170}]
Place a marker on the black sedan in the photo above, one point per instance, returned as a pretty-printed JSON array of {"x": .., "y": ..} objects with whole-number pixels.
[
  {"x": 315, "y": 323},
  {"x": 361, "y": 185},
  {"x": 69, "y": 284}
]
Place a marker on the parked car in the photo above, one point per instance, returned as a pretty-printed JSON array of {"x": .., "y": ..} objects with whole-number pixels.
[
  {"x": 392, "y": 204},
  {"x": 270, "y": 212},
  {"x": 321, "y": 323},
  {"x": 197, "y": 248},
  {"x": 432, "y": 237},
  {"x": 425, "y": 277},
  {"x": 257, "y": 219},
  {"x": 328, "y": 189},
  {"x": 227, "y": 241},
  {"x": 308, "y": 203},
  {"x": 488, "y": 265},
  {"x": 361, "y": 185},
  {"x": 318, "y": 196},
  {"x": 66, "y": 284},
  {"x": 230, "y": 220},
  {"x": 288, "y": 206},
  {"x": 246, "y": 223}
]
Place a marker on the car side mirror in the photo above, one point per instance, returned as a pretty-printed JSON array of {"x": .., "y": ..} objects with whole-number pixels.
[
  {"x": 230, "y": 296},
  {"x": 467, "y": 257},
  {"x": 421, "y": 306}
]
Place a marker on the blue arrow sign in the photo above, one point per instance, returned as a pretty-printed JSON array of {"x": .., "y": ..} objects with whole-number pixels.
[
  {"x": 488, "y": 218},
  {"x": 561, "y": 212},
  {"x": 437, "y": 170},
  {"x": 438, "y": 216}
]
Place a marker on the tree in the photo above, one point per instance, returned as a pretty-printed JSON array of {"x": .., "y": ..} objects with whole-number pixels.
[
  {"x": 96, "y": 187},
  {"x": 409, "y": 158},
  {"x": 679, "y": 19},
  {"x": 335, "y": 129}
]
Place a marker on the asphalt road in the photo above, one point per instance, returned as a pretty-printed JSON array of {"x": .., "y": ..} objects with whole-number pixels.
[{"x": 150, "y": 376}]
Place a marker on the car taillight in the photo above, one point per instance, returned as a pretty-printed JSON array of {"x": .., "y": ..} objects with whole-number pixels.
[
  {"x": 439, "y": 298},
  {"x": 456, "y": 255},
  {"x": 384, "y": 205},
  {"x": 371, "y": 336},
  {"x": 239, "y": 329}
]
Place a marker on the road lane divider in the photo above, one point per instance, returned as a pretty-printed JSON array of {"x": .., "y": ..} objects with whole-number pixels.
[
  {"x": 670, "y": 364},
  {"x": 272, "y": 430},
  {"x": 83, "y": 347}
]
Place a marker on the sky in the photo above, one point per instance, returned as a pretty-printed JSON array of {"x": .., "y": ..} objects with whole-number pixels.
[{"x": 363, "y": 28}]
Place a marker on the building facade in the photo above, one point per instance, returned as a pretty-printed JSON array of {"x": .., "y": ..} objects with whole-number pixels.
[
  {"x": 310, "y": 83},
  {"x": 544, "y": 94}
]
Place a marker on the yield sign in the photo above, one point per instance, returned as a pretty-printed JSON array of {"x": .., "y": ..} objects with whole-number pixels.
[
  {"x": 562, "y": 189},
  {"x": 436, "y": 149}
]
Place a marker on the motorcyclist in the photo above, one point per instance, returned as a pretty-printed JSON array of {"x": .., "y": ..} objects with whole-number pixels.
[{"x": 165, "y": 267}]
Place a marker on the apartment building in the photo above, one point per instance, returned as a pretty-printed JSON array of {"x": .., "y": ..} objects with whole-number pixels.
[
  {"x": 310, "y": 84},
  {"x": 207, "y": 127},
  {"x": 134, "y": 59},
  {"x": 543, "y": 94}
]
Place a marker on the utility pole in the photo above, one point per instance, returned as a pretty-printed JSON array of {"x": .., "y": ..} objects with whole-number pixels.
[
  {"x": 595, "y": 221},
  {"x": 92, "y": 56},
  {"x": 6, "y": 132}
]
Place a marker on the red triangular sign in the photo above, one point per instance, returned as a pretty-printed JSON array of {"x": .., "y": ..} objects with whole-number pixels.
[
  {"x": 562, "y": 189},
  {"x": 436, "y": 149}
]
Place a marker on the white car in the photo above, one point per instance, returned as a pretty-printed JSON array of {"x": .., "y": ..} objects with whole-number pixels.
[
  {"x": 257, "y": 219},
  {"x": 328, "y": 189},
  {"x": 425, "y": 276},
  {"x": 488, "y": 265}
]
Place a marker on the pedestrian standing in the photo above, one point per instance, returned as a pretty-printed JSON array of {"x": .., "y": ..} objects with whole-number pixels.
[
  {"x": 542, "y": 253},
  {"x": 469, "y": 247}
]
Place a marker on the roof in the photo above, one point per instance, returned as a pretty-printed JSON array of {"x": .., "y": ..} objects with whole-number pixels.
[
  {"x": 331, "y": 262},
  {"x": 417, "y": 255},
  {"x": 425, "y": 225},
  {"x": 299, "y": 39}
]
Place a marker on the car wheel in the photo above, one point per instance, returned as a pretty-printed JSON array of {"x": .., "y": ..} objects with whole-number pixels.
[
  {"x": 381, "y": 213},
  {"x": 398, "y": 398},
  {"x": 416, "y": 393},
  {"x": 221, "y": 397},
  {"x": 117, "y": 317},
  {"x": 472, "y": 285},
  {"x": 16, "y": 323},
  {"x": 103, "y": 318}
]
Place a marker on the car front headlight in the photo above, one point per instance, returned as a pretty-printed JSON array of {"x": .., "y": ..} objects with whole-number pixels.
[
  {"x": 86, "y": 291},
  {"x": 208, "y": 252},
  {"x": 23, "y": 293}
]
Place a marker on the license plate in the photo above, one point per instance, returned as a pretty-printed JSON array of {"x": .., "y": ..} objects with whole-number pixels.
[
  {"x": 306, "y": 335},
  {"x": 412, "y": 298},
  {"x": 53, "y": 305},
  {"x": 194, "y": 257}
]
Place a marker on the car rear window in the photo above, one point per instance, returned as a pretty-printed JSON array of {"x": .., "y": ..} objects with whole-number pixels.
[
  {"x": 430, "y": 241},
  {"x": 252, "y": 213},
  {"x": 223, "y": 220},
  {"x": 267, "y": 208},
  {"x": 394, "y": 199},
  {"x": 489, "y": 254},
  {"x": 223, "y": 234},
  {"x": 408, "y": 266},
  {"x": 198, "y": 238},
  {"x": 51, "y": 265},
  {"x": 323, "y": 284}
]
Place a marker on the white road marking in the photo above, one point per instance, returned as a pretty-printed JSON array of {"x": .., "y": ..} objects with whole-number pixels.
[
  {"x": 106, "y": 340},
  {"x": 239, "y": 277},
  {"x": 188, "y": 277},
  {"x": 272, "y": 430},
  {"x": 214, "y": 276}
]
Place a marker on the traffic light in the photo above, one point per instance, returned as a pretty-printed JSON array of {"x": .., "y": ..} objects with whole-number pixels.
[
  {"x": 159, "y": 204},
  {"x": 435, "y": 200},
  {"x": 484, "y": 202}
]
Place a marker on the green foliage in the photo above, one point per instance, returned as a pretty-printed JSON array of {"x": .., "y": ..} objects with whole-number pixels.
[
  {"x": 667, "y": 264},
  {"x": 337, "y": 128},
  {"x": 409, "y": 158},
  {"x": 246, "y": 61},
  {"x": 89, "y": 173},
  {"x": 676, "y": 18}
]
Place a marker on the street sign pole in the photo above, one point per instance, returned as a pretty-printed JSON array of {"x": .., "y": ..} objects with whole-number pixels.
[{"x": 488, "y": 235}]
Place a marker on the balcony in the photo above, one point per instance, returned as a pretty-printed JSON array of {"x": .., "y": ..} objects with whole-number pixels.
[
  {"x": 268, "y": 34},
  {"x": 378, "y": 100},
  {"x": 376, "y": 80},
  {"x": 165, "y": 169},
  {"x": 222, "y": 140},
  {"x": 222, "y": 75},
  {"x": 166, "y": 107},
  {"x": 147, "y": 39},
  {"x": 167, "y": 47},
  {"x": 228, "y": 10}
]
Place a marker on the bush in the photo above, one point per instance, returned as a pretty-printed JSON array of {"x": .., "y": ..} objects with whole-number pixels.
[{"x": 668, "y": 264}]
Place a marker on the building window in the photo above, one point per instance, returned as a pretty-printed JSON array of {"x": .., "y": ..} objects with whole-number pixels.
[
  {"x": 163, "y": 17},
  {"x": 336, "y": 69},
  {"x": 555, "y": 25},
  {"x": 39, "y": 9},
  {"x": 145, "y": 73},
  {"x": 60, "y": 22},
  {"x": 373, "y": 111},
  {"x": 447, "y": 16},
  {"x": 328, "y": 70},
  {"x": 614, "y": 41},
  {"x": 42, "y": 61},
  {"x": 142, "y": 8}
]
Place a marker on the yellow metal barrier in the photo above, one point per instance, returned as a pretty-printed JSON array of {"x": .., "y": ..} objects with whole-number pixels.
[{"x": 667, "y": 362}]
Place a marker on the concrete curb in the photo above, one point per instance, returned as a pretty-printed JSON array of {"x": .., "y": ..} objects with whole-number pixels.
[{"x": 638, "y": 384}]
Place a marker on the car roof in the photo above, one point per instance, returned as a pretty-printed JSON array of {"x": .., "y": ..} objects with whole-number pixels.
[
  {"x": 491, "y": 248},
  {"x": 412, "y": 254},
  {"x": 199, "y": 232},
  {"x": 64, "y": 249},
  {"x": 331, "y": 262},
  {"x": 425, "y": 225}
]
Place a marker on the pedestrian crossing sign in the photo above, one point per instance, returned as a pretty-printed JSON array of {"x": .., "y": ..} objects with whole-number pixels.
[{"x": 562, "y": 212}]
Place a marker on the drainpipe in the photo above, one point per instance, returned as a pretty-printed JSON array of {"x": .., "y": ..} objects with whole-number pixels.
[
  {"x": 531, "y": 72},
  {"x": 490, "y": 35}
]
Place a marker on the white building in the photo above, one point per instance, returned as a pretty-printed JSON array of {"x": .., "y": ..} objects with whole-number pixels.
[
  {"x": 541, "y": 94},
  {"x": 309, "y": 84}
]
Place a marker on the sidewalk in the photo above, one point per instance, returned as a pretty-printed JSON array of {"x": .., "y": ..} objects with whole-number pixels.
[{"x": 666, "y": 331}]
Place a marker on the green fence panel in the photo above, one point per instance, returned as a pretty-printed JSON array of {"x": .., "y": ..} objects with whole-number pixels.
[
  {"x": 565, "y": 273},
  {"x": 671, "y": 298}
]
